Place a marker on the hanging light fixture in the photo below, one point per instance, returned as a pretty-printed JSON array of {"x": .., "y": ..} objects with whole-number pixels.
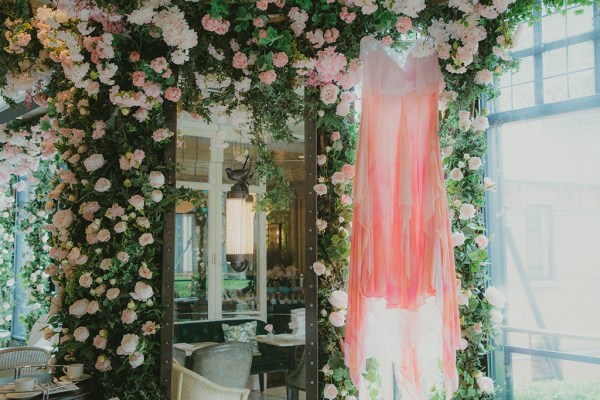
[{"x": 239, "y": 219}]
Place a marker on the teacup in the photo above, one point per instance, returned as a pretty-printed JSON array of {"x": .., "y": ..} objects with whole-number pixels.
[
  {"x": 73, "y": 371},
  {"x": 25, "y": 384}
]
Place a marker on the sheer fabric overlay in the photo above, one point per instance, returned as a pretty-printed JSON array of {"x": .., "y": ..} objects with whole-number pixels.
[{"x": 402, "y": 286}]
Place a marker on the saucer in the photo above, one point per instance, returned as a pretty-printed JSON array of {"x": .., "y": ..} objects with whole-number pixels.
[
  {"x": 23, "y": 395},
  {"x": 83, "y": 377}
]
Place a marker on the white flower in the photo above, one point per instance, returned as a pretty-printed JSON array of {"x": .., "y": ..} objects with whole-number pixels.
[
  {"x": 156, "y": 179},
  {"x": 329, "y": 93},
  {"x": 495, "y": 297},
  {"x": 474, "y": 163},
  {"x": 102, "y": 185},
  {"x": 93, "y": 162},
  {"x": 136, "y": 359},
  {"x": 129, "y": 344},
  {"x": 319, "y": 268},
  {"x": 337, "y": 319},
  {"x": 458, "y": 239},
  {"x": 330, "y": 391},
  {"x": 156, "y": 196},
  {"x": 142, "y": 292},
  {"x": 79, "y": 308},
  {"x": 81, "y": 334},
  {"x": 496, "y": 316},
  {"x": 486, "y": 384},
  {"x": 481, "y": 241},
  {"x": 480, "y": 124},
  {"x": 338, "y": 298},
  {"x": 456, "y": 175},
  {"x": 447, "y": 151},
  {"x": 484, "y": 77},
  {"x": 467, "y": 211}
]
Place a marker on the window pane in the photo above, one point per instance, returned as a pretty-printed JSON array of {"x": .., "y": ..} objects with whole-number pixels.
[
  {"x": 582, "y": 23},
  {"x": 504, "y": 102},
  {"x": 555, "y": 89},
  {"x": 555, "y": 62},
  {"x": 525, "y": 72},
  {"x": 523, "y": 95},
  {"x": 553, "y": 27},
  {"x": 581, "y": 56},
  {"x": 526, "y": 39},
  {"x": 581, "y": 84}
]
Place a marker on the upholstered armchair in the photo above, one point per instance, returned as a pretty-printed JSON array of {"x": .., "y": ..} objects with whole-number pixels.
[
  {"x": 188, "y": 385},
  {"x": 226, "y": 364},
  {"x": 296, "y": 380}
]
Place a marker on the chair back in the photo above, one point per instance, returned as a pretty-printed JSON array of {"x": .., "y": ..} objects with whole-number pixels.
[
  {"x": 15, "y": 357},
  {"x": 226, "y": 364},
  {"x": 297, "y": 377},
  {"x": 180, "y": 356}
]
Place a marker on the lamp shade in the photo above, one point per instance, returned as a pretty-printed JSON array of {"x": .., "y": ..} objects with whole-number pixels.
[{"x": 239, "y": 229}]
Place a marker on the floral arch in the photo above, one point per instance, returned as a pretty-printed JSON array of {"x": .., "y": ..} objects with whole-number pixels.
[{"x": 109, "y": 72}]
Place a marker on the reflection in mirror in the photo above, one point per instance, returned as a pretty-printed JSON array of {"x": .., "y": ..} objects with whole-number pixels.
[{"x": 261, "y": 301}]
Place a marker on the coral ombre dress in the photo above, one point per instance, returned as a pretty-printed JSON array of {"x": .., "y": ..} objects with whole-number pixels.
[{"x": 402, "y": 287}]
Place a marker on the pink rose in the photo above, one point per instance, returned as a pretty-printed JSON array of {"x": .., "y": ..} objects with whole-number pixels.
[
  {"x": 143, "y": 222},
  {"x": 337, "y": 319},
  {"x": 484, "y": 77},
  {"x": 262, "y": 5},
  {"x": 338, "y": 299},
  {"x": 159, "y": 65},
  {"x": 320, "y": 189},
  {"x": 134, "y": 56},
  {"x": 103, "y": 235},
  {"x": 386, "y": 40},
  {"x": 156, "y": 196},
  {"x": 136, "y": 359},
  {"x": 149, "y": 328},
  {"x": 137, "y": 202},
  {"x": 51, "y": 270},
  {"x": 85, "y": 280},
  {"x": 105, "y": 264},
  {"x": 81, "y": 334},
  {"x": 99, "y": 290},
  {"x": 458, "y": 239},
  {"x": 329, "y": 93},
  {"x": 129, "y": 344},
  {"x": 93, "y": 307},
  {"x": 447, "y": 151},
  {"x": 346, "y": 200},
  {"x": 319, "y": 268},
  {"x": 142, "y": 292},
  {"x": 403, "y": 24},
  {"x": 321, "y": 159},
  {"x": 267, "y": 77},
  {"x": 93, "y": 162},
  {"x": 146, "y": 239},
  {"x": 343, "y": 108},
  {"x": 120, "y": 227},
  {"x": 280, "y": 59},
  {"x": 112, "y": 293},
  {"x": 456, "y": 175},
  {"x": 330, "y": 392},
  {"x": 240, "y": 60},
  {"x": 348, "y": 170},
  {"x": 100, "y": 342},
  {"x": 102, "y": 185},
  {"x": 123, "y": 256},
  {"x": 139, "y": 78},
  {"x": 161, "y": 134},
  {"x": 128, "y": 316},
  {"x": 156, "y": 179},
  {"x": 335, "y": 136},
  {"x": 79, "y": 308},
  {"x": 103, "y": 364},
  {"x": 258, "y": 22},
  {"x": 338, "y": 178},
  {"x": 145, "y": 272},
  {"x": 173, "y": 94},
  {"x": 63, "y": 219},
  {"x": 481, "y": 241},
  {"x": 474, "y": 163},
  {"x": 480, "y": 124}
]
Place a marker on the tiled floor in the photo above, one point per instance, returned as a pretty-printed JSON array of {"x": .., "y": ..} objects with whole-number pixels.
[{"x": 276, "y": 393}]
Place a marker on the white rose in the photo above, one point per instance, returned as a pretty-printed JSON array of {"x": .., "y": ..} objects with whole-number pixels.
[
  {"x": 79, "y": 308},
  {"x": 319, "y": 268},
  {"x": 136, "y": 201},
  {"x": 486, "y": 384},
  {"x": 484, "y": 77},
  {"x": 146, "y": 239},
  {"x": 456, "y": 175},
  {"x": 136, "y": 359},
  {"x": 458, "y": 239},
  {"x": 112, "y": 293},
  {"x": 480, "y": 124},
  {"x": 495, "y": 297},
  {"x": 320, "y": 189},
  {"x": 142, "y": 292},
  {"x": 81, "y": 334},
  {"x": 330, "y": 391},
  {"x": 63, "y": 219},
  {"x": 467, "y": 211},
  {"x": 329, "y": 93},
  {"x": 102, "y": 185},
  {"x": 129, "y": 344},
  {"x": 481, "y": 241},
  {"x": 338, "y": 299},
  {"x": 337, "y": 319},
  {"x": 85, "y": 280},
  {"x": 447, "y": 151},
  {"x": 156, "y": 196},
  {"x": 156, "y": 179},
  {"x": 93, "y": 162},
  {"x": 474, "y": 163}
]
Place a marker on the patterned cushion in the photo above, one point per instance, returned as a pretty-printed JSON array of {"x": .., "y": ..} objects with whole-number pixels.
[{"x": 242, "y": 333}]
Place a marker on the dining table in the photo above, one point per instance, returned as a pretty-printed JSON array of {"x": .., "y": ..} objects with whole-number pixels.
[{"x": 85, "y": 389}]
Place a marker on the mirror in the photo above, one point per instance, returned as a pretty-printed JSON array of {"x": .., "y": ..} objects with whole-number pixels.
[{"x": 215, "y": 299}]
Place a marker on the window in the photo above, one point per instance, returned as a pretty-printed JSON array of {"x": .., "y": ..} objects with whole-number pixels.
[{"x": 544, "y": 218}]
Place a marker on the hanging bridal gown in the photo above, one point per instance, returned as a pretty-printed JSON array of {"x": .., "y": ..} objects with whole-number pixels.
[{"x": 402, "y": 286}]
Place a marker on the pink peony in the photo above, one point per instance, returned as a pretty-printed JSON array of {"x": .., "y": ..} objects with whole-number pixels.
[
  {"x": 159, "y": 65},
  {"x": 240, "y": 60},
  {"x": 342, "y": 109},
  {"x": 347, "y": 17},
  {"x": 267, "y": 77},
  {"x": 329, "y": 93},
  {"x": 280, "y": 59},
  {"x": 348, "y": 170},
  {"x": 467, "y": 211},
  {"x": 403, "y": 24},
  {"x": 161, "y": 134},
  {"x": 134, "y": 56},
  {"x": 173, "y": 94},
  {"x": 139, "y": 78}
]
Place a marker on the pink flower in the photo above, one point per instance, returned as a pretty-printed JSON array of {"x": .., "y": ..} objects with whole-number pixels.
[
  {"x": 346, "y": 200},
  {"x": 456, "y": 175},
  {"x": 145, "y": 272},
  {"x": 343, "y": 108},
  {"x": 329, "y": 64},
  {"x": 161, "y": 134},
  {"x": 474, "y": 163},
  {"x": 81, "y": 334},
  {"x": 403, "y": 24},
  {"x": 467, "y": 211},
  {"x": 320, "y": 189},
  {"x": 136, "y": 201},
  {"x": 93, "y": 307},
  {"x": 321, "y": 225},
  {"x": 267, "y": 77},
  {"x": 79, "y": 308},
  {"x": 134, "y": 56},
  {"x": 337, "y": 319},
  {"x": 217, "y": 26},
  {"x": 386, "y": 40},
  {"x": 338, "y": 178},
  {"x": 480, "y": 123},
  {"x": 142, "y": 292},
  {"x": 156, "y": 196},
  {"x": 139, "y": 78},
  {"x": 100, "y": 342},
  {"x": 103, "y": 235},
  {"x": 240, "y": 60},
  {"x": 129, "y": 344},
  {"x": 85, "y": 280},
  {"x": 102, "y": 185},
  {"x": 331, "y": 35},
  {"x": 495, "y": 297},
  {"x": 463, "y": 344},
  {"x": 484, "y": 77},
  {"x": 348, "y": 170},
  {"x": 173, "y": 94},
  {"x": 93, "y": 162},
  {"x": 458, "y": 239},
  {"x": 321, "y": 159},
  {"x": 136, "y": 359},
  {"x": 280, "y": 59},
  {"x": 149, "y": 328},
  {"x": 105, "y": 264},
  {"x": 319, "y": 268},
  {"x": 258, "y": 22},
  {"x": 335, "y": 136},
  {"x": 262, "y": 5},
  {"x": 103, "y": 364},
  {"x": 112, "y": 293},
  {"x": 489, "y": 184},
  {"x": 330, "y": 392},
  {"x": 146, "y": 239},
  {"x": 329, "y": 93},
  {"x": 123, "y": 256},
  {"x": 156, "y": 179},
  {"x": 347, "y": 17},
  {"x": 63, "y": 219},
  {"x": 128, "y": 316}
]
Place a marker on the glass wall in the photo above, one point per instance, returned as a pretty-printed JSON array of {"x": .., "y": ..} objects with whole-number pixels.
[{"x": 544, "y": 217}]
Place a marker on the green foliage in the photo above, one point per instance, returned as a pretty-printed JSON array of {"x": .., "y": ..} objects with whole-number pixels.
[{"x": 559, "y": 390}]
